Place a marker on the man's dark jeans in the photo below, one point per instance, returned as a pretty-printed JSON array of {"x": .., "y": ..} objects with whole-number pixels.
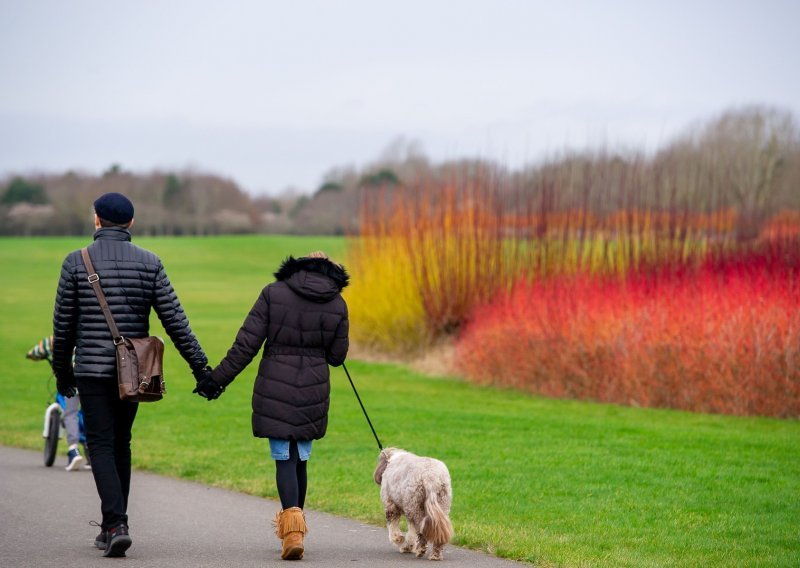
[{"x": 108, "y": 421}]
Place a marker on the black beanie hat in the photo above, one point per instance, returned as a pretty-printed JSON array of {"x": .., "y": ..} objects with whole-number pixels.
[{"x": 114, "y": 207}]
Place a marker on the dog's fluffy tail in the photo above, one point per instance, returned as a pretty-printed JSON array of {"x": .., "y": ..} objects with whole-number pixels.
[{"x": 436, "y": 526}]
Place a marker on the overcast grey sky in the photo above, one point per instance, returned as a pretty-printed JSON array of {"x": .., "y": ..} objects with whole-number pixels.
[{"x": 274, "y": 94}]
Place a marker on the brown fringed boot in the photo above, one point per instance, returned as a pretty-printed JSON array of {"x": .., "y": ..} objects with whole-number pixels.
[{"x": 290, "y": 526}]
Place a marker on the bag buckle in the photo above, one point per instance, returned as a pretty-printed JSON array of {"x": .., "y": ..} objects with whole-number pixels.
[
  {"x": 119, "y": 340},
  {"x": 93, "y": 278}
]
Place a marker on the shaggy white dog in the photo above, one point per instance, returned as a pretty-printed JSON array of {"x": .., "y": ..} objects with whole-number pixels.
[{"x": 418, "y": 488}]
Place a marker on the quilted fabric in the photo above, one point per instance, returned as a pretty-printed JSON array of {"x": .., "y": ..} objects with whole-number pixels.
[
  {"x": 300, "y": 324},
  {"x": 134, "y": 281}
]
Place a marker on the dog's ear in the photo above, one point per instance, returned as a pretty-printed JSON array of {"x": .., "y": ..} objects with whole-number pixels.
[{"x": 383, "y": 461}]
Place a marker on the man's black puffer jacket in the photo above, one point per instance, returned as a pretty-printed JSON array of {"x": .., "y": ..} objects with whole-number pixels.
[
  {"x": 303, "y": 320},
  {"x": 133, "y": 280}
]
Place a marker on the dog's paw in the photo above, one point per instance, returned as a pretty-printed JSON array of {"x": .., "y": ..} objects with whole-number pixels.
[
  {"x": 420, "y": 547},
  {"x": 406, "y": 547}
]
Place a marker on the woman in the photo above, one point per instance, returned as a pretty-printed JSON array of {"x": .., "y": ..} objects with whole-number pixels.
[{"x": 302, "y": 317}]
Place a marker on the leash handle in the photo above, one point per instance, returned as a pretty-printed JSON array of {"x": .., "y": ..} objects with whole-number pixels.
[{"x": 362, "y": 406}]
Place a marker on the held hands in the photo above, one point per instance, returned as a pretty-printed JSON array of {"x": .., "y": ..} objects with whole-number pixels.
[{"x": 207, "y": 387}]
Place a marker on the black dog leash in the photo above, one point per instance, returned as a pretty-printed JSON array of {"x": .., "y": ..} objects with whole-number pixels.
[{"x": 362, "y": 406}]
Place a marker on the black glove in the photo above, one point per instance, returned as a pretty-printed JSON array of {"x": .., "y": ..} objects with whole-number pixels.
[
  {"x": 201, "y": 374},
  {"x": 66, "y": 387},
  {"x": 207, "y": 387}
]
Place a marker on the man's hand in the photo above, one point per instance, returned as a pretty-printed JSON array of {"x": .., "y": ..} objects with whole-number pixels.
[
  {"x": 207, "y": 387},
  {"x": 201, "y": 374},
  {"x": 66, "y": 387}
]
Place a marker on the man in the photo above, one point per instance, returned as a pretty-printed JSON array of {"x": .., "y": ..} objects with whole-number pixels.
[{"x": 133, "y": 280}]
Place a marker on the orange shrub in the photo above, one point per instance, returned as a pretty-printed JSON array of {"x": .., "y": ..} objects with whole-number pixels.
[{"x": 783, "y": 225}]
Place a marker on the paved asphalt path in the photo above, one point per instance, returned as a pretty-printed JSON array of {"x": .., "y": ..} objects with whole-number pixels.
[{"x": 45, "y": 514}]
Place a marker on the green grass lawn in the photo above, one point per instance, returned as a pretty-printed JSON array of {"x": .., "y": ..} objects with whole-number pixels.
[{"x": 554, "y": 483}]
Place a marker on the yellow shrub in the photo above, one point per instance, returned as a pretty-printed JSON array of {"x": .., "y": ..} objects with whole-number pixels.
[{"x": 385, "y": 306}]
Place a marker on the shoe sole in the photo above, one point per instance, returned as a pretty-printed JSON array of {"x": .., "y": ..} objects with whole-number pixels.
[
  {"x": 75, "y": 464},
  {"x": 101, "y": 544},
  {"x": 295, "y": 553},
  {"x": 118, "y": 546}
]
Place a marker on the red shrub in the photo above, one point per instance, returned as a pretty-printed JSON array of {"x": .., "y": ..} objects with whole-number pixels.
[{"x": 722, "y": 337}]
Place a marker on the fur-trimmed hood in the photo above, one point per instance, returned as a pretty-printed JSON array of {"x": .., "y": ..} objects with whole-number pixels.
[{"x": 317, "y": 279}]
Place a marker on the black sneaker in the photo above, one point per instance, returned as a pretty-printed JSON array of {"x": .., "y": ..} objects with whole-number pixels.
[
  {"x": 100, "y": 541},
  {"x": 118, "y": 541}
]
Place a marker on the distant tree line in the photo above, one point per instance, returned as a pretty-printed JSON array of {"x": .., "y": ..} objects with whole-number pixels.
[
  {"x": 746, "y": 160},
  {"x": 187, "y": 203}
]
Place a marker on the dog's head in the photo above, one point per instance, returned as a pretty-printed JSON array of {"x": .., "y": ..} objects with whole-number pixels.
[{"x": 383, "y": 461}]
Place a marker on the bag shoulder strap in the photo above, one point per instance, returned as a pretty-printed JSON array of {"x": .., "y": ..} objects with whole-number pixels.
[{"x": 94, "y": 280}]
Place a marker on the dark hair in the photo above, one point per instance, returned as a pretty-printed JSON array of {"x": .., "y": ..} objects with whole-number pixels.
[{"x": 107, "y": 223}]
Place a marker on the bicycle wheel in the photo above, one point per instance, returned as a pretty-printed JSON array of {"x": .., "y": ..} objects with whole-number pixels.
[{"x": 51, "y": 442}]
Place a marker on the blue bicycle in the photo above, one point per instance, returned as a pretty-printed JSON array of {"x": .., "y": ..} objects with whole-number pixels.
[
  {"x": 54, "y": 427},
  {"x": 56, "y": 411}
]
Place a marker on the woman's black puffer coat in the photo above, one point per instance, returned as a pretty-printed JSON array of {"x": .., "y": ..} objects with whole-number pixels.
[
  {"x": 303, "y": 320},
  {"x": 133, "y": 281}
]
